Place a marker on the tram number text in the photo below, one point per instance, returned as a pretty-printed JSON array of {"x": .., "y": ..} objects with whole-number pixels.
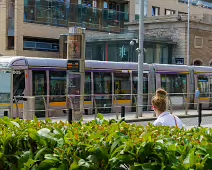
[{"x": 16, "y": 72}]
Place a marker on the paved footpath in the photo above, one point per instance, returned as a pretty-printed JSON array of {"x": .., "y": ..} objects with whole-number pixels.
[{"x": 190, "y": 119}]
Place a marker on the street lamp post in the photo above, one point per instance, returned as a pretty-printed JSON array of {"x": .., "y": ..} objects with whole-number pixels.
[
  {"x": 188, "y": 35},
  {"x": 140, "y": 61}
]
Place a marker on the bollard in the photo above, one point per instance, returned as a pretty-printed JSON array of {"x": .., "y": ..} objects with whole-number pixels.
[
  {"x": 123, "y": 112},
  {"x": 6, "y": 113},
  {"x": 199, "y": 114},
  {"x": 70, "y": 116}
]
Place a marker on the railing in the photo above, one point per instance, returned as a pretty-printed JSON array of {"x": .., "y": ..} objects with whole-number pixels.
[
  {"x": 76, "y": 15},
  {"x": 42, "y": 46},
  {"x": 180, "y": 103}
]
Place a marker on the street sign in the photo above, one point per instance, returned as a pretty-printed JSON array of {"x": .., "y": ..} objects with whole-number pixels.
[{"x": 179, "y": 61}]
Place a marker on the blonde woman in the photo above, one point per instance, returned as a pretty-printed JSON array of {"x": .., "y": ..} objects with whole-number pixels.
[{"x": 164, "y": 118}]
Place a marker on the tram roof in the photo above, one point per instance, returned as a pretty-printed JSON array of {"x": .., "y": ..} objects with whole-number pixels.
[
  {"x": 11, "y": 61},
  {"x": 171, "y": 68},
  {"x": 202, "y": 69},
  {"x": 113, "y": 65},
  {"x": 32, "y": 61}
]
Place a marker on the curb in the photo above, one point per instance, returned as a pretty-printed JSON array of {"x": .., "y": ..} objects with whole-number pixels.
[{"x": 154, "y": 118}]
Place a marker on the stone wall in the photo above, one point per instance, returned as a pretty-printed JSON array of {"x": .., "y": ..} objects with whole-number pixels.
[
  {"x": 176, "y": 31},
  {"x": 175, "y": 34},
  {"x": 202, "y": 53}
]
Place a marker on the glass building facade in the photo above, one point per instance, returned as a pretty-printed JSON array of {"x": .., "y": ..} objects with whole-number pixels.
[
  {"x": 81, "y": 13},
  {"x": 122, "y": 51}
]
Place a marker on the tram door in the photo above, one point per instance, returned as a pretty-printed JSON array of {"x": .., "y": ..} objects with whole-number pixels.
[
  {"x": 39, "y": 91},
  {"x": 103, "y": 91},
  {"x": 145, "y": 91}
]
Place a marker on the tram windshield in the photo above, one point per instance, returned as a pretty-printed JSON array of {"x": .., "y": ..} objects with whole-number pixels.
[{"x": 5, "y": 86}]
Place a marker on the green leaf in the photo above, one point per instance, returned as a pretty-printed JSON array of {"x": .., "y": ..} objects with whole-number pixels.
[
  {"x": 190, "y": 159},
  {"x": 100, "y": 116},
  {"x": 15, "y": 124},
  {"x": 30, "y": 163},
  {"x": 115, "y": 144},
  {"x": 63, "y": 166},
  {"x": 51, "y": 157},
  {"x": 46, "y": 164},
  {"x": 25, "y": 157},
  {"x": 40, "y": 154}
]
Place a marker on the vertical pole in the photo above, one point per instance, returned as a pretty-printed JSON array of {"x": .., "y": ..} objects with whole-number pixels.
[
  {"x": 123, "y": 112},
  {"x": 140, "y": 61},
  {"x": 188, "y": 35},
  {"x": 199, "y": 114},
  {"x": 70, "y": 115},
  {"x": 6, "y": 113}
]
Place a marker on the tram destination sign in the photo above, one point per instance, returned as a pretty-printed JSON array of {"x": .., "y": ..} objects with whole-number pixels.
[{"x": 73, "y": 65}]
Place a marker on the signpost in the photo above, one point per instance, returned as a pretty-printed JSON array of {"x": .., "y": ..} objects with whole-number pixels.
[{"x": 76, "y": 71}]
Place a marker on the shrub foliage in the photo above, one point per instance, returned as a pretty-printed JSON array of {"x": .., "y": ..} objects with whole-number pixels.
[{"x": 101, "y": 145}]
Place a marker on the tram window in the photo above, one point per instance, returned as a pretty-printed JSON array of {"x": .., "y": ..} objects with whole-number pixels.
[
  {"x": 122, "y": 86},
  {"x": 87, "y": 87},
  {"x": 18, "y": 82},
  {"x": 5, "y": 86},
  {"x": 135, "y": 83},
  {"x": 174, "y": 83},
  {"x": 39, "y": 83},
  {"x": 57, "y": 86},
  {"x": 102, "y": 83},
  {"x": 203, "y": 86}
]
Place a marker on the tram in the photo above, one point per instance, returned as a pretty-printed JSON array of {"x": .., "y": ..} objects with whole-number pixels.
[{"x": 110, "y": 84}]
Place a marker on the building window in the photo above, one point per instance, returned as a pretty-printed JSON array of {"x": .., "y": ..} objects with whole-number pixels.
[
  {"x": 169, "y": 12},
  {"x": 155, "y": 11},
  {"x": 40, "y": 44},
  {"x": 57, "y": 86},
  {"x": 198, "y": 42},
  {"x": 10, "y": 42},
  {"x": 198, "y": 63},
  {"x": 182, "y": 13}
]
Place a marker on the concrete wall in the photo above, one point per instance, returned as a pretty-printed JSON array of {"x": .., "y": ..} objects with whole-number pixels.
[
  {"x": 3, "y": 29},
  {"x": 168, "y": 4}
]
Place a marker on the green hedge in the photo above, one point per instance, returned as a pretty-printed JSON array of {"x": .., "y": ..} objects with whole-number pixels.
[{"x": 101, "y": 145}]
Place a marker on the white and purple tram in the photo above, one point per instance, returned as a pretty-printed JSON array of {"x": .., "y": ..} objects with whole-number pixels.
[{"x": 111, "y": 84}]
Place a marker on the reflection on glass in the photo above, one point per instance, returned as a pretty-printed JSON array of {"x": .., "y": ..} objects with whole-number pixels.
[
  {"x": 122, "y": 86},
  {"x": 145, "y": 90},
  {"x": 102, "y": 83},
  {"x": 39, "y": 83},
  {"x": 57, "y": 86},
  {"x": 87, "y": 87},
  {"x": 5, "y": 86},
  {"x": 203, "y": 85},
  {"x": 18, "y": 84},
  {"x": 174, "y": 83},
  {"x": 61, "y": 13}
]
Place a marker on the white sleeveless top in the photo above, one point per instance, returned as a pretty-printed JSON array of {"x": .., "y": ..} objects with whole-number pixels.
[{"x": 167, "y": 119}]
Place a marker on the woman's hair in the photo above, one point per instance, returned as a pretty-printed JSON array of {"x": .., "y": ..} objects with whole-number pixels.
[{"x": 159, "y": 101}]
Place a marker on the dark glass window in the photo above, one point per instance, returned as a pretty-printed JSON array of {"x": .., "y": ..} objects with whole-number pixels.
[{"x": 57, "y": 86}]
